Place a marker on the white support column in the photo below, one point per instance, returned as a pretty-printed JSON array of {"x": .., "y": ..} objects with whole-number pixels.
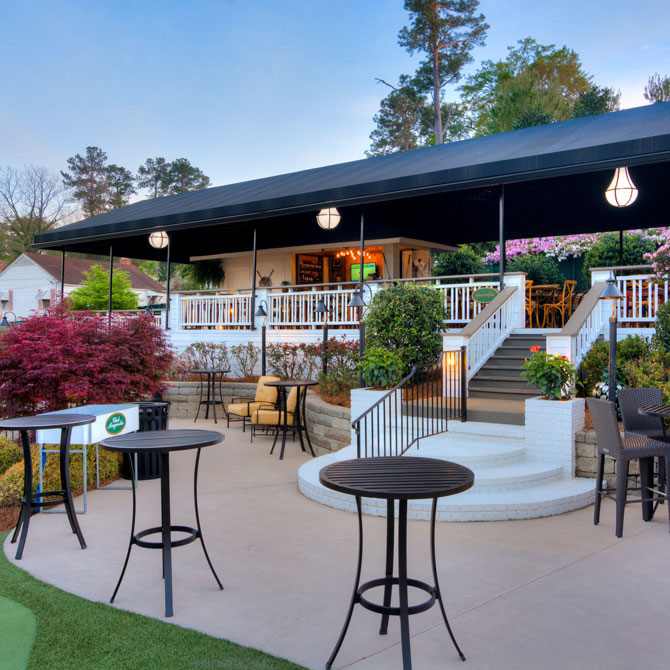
[
  {"x": 518, "y": 279},
  {"x": 175, "y": 312},
  {"x": 451, "y": 370}
]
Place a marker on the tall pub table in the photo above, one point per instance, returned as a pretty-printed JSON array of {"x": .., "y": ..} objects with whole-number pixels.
[
  {"x": 662, "y": 412},
  {"x": 164, "y": 442},
  {"x": 208, "y": 388},
  {"x": 299, "y": 421},
  {"x": 30, "y": 501},
  {"x": 396, "y": 478}
]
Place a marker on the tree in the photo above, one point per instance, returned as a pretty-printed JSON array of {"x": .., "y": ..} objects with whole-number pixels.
[
  {"x": 657, "y": 88},
  {"x": 32, "y": 201},
  {"x": 444, "y": 32},
  {"x": 88, "y": 179},
  {"x": 462, "y": 262},
  {"x": 532, "y": 77},
  {"x": 152, "y": 175},
  {"x": 532, "y": 117},
  {"x": 119, "y": 186},
  {"x": 94, "y": 291},
  {"x": 596, "y": 100},
  {"x": 182, "y": 177}
]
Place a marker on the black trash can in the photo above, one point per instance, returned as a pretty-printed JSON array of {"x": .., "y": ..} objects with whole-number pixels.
[{"x": 153, "y": 416}]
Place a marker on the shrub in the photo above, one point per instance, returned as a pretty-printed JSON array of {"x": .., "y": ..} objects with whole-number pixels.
[
  {"x": 292, "y": 361},
  {"x": 381, "y": 367},
  {"x": 342, "y": 373},
  {"x": 605, "y": 252},
  {"x": 539, "y": 269},
  {"x": 660, "y": 260},
  {"x": 246, "y": 356},
  {"x": 208, "y": 355},
  {"x": 462, "y": 262},
  {"x": 662, "y": 335},
  {"x": 651, "y": 372},
  {"x": 407, "y": 319},
  {"x": 552, "y": 374},
  {"x": 55, "y": 361},
  {"x": 11, "y": 482},
  {"x": 94, "y": 291},
  {"x": 10, "y": 453}
]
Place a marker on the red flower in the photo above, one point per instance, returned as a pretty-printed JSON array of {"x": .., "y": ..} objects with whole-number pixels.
[
  {"x": 564, "y": 357},
  {"x": 535, "y": 349}
]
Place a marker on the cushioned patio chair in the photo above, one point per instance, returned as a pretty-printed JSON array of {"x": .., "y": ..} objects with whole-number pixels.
[
  {"x": 241, "y": 409},
  {"x": 623, "y": 451},
  {"x": 274, "y": 418}
]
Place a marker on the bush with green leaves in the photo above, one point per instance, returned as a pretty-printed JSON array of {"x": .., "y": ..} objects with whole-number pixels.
[
  {"x": 554, "y": 375},
  {"x": 605, "y": 252},
  {"x": 292, "y": 361},
  {"x": 342, "y": 372},
  {"x": 662, "y": 335},
  {"x": 407, "y": 319},
  {"x": 652, "y": 371},
  {"x": 382, "y": 368},
  {"x": 539, "y": 269},
  {"x": 208, "y": 355},
  {"x": 462, "y": 262},
  {"x": 10, "y": 453},
  {"x": 94, "y": 291},
  {"x": 246, "y": 356}
]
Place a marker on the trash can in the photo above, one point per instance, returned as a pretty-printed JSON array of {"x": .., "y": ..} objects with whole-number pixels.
[{"x": 153, "y": 415}]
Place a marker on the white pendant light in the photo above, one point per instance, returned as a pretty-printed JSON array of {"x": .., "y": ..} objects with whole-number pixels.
[
  {"x": 159, "y": 239},
  {"x": 328, "y": 218},
  {"x": 621, "y": 192}
]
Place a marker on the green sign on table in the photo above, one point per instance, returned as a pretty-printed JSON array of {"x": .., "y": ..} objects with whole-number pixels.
[
  {"x": 485, "y": 294},
  {"x": 115, "y": 424}
]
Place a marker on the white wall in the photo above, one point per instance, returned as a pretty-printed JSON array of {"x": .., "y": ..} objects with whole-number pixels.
[{"x": 26, "y": 279}]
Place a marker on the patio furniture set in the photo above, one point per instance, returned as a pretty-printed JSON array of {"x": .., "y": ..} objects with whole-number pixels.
[{"x": 550, "y": 305}]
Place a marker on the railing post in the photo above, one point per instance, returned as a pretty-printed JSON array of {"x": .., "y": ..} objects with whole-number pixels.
[
  {"x": 464, "y": 383},
  {"x": 518, "y": 279}
]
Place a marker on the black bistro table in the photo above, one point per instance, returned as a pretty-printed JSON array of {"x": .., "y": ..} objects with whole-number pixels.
[
  {"x": 164, "y": 442},
  {"x": 661, "y": 411},
  {"x": 396, "y": 478},
  {"x": 66, "y": 422},
  {"x": 208, "y": 380},
  {"x": 300, "y": 422}
]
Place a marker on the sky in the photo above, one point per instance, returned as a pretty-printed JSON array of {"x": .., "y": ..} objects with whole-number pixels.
[{"x": 252, "y": 88}]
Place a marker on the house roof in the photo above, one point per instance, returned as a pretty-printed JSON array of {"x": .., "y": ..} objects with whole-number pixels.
[
  {"x": 76, "y": 267},
  {"x": 556, "y": 176}
]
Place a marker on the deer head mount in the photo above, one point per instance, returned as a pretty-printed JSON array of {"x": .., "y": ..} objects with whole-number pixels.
[{"x": 264, "y": 281}]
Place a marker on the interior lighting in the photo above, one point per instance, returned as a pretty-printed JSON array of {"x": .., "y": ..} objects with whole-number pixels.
[{"x": 622, "y": 191}]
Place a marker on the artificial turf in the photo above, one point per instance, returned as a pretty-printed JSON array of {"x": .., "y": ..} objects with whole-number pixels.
[
  {"x": 76, "y": 633},
  {"x": 18, "y": 625}
]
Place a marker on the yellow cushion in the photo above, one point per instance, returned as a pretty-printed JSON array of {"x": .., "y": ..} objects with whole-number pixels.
[
  {"x": 243, "y": 408},
  {"x": 266, "y": 393},
  {"x": 270, "y": 417},
  {"x": 292, "y": 399}
]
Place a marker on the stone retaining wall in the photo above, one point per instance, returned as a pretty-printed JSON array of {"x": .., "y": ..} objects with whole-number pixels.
[
  {"x": 587, "y": 457},
  {"x": 328, "y": 425}
]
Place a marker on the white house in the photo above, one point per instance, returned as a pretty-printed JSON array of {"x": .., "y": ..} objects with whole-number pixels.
[{"x": 32, "y": 282}]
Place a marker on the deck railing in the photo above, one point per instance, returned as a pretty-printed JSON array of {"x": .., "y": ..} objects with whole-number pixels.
[
  {"x": 297, "y": 309},
  {"x": 214, "y": 311},
  {"x": 642, "y": 296}
]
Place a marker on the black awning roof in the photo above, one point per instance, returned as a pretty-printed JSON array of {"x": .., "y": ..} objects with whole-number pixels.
[{"x": 557, "y": 174}]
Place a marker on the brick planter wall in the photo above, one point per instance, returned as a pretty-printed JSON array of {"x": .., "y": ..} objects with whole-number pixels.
[{"x": 329, "y": 426}]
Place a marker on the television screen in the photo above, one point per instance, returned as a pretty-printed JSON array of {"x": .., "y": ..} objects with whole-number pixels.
[{"x": 368, "y": 269}]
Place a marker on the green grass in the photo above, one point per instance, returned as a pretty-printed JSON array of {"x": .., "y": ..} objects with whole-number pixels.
[
  {"x": 18, "y": 625},
  {"x": 75, "y": 633}
]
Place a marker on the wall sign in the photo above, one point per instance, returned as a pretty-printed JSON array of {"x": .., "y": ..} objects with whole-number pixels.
[
  {"x": 115, "y": 424},
  {"x": 484, "y": 294}
]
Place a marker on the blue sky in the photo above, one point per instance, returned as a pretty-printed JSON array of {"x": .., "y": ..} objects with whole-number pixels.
[{"x": 251, "y": 88}]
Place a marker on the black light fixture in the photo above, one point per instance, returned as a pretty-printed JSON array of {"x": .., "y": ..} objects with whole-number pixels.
[
  {"x": 322, "y": 309},
  {"x": 5, "y": 324},
  {"x": 356, "y": 299},
  {"x": 612, "y": 292},
  {"x": 148, "y": 310},
  {"x": 262, "y": 311}
]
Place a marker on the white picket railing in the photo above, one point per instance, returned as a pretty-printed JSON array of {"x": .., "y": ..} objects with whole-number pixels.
[
  {"x": 200, "y": 311},
  {"x": 297, "y": 309},
  {"x": 642, "y": 296},
  {"x": 458, "y": 301}
]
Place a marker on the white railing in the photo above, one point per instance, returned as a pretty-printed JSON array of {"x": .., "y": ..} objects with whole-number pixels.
[
  {"x": 298, "y": 309},
  {"x": 458, "y": 301},
  {"x": 489, "y": 336},
  {"x": 642, "y": 296},
  {"x": 589, "y": 333},
  {"x": 233, "y": 311}
]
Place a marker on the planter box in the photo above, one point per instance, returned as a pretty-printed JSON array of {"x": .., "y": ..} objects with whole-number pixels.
[{"x": 551, "y": 426}]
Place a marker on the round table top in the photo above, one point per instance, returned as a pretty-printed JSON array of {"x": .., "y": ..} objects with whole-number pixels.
[
  {"x": 293, "y": 382},
  {"x": 46, "y": 421},
  {"x": 393, "y": 477},
  {"x": 655, "y": 410},
  {"x": 206, "y": 371},
  {"x": 162, "y": 440}
]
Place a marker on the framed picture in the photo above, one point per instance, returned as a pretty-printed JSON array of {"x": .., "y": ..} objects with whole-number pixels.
[{"x": 336, "y": 263}]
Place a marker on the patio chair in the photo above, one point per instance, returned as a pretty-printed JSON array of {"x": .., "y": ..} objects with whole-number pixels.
[
  {"x": 274, "y": 417},
  {"x": 623, "y": 451},
  {"x": 562, "y": 305},
  {"x": 531, "y": 305},
  {"x": 241, "y": 409}
]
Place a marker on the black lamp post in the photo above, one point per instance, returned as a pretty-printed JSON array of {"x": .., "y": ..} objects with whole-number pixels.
[
  {"x": 612, "y": 292},
  {"x": 262, "y": 311},
  {"x": 322, "y": 309},
  {"x": 5, "y": 324},
  {"x": 357, "y": 301}
]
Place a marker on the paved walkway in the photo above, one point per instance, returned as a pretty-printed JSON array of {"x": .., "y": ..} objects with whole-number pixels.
[{"x": 553, "y": 593}]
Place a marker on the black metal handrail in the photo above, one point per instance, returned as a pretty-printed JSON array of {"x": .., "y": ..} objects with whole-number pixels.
[{"x": 418, "y": 406}]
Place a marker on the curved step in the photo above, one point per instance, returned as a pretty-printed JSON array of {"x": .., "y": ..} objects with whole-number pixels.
[{"x": 471, "y": 454}]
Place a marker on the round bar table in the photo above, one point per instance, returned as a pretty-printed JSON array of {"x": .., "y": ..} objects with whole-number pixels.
[
  {"x": 164, "y": 442},
  {"x": 300, "y": 422},
  {"x": 661, "y": 411},
  {"x": 66, "y": 422},
  {"x": 396, "y": 478},
  {"x": 208, "y": 380}
]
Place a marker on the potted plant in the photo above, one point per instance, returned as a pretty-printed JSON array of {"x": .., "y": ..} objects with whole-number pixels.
[{"x": 551, "y": 373}]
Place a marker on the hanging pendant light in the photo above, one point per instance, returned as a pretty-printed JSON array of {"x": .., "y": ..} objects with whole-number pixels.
[
  {"x": 159, "y": 239},
  {"x": 328, "y": 218},
  {"x": 621, "y": 192}
]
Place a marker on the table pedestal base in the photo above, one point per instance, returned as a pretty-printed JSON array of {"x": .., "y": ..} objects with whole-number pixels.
[{"x": 404, "y": 611}]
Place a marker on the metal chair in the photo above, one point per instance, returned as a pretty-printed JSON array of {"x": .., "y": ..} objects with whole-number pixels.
[
  {"x": 623, "y": 451},
  {"x": 562, "y": 305},
  {"x": 241, "y": 409}
]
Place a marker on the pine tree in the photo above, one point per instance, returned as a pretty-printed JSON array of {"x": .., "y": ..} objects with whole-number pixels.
[
  {"x": 87, "y": 177},
  {"x": 152, "y": 175}
]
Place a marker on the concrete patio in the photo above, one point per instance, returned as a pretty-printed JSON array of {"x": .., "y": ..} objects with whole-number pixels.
[{"x": 550, "y": 593}]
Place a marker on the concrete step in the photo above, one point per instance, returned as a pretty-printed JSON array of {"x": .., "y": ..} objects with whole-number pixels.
[
  {"x": 489, "y": 431},
  {"x": 484, "y": 381},
  {"x": 470, "y": 452},
  {"x": 502, "y": 393}
]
